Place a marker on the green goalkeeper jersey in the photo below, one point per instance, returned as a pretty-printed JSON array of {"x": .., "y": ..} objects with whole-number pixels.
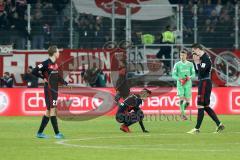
[{"x": 182, "y": 70}]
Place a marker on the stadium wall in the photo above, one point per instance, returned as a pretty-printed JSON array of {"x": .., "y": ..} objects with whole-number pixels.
[{"x": 18, "y": 63}]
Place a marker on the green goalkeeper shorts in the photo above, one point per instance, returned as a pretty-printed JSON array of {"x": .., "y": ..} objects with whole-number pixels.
[{"x": 184, "y": 91}]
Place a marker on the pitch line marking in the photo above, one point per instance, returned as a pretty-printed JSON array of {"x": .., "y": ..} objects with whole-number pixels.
[{"x": 136, "y": 147}]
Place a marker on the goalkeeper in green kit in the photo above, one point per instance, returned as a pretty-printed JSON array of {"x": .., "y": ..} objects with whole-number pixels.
[{"x": 183, "y": 72}]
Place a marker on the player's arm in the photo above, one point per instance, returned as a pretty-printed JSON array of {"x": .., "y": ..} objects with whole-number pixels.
[
  {"x": 175, "y": 73},
  {"x": 142, "y": 126},
  {"x": 140, "y": 115},
  {"x": 192, "y": 71},
  {"x": 61, "y": 80},
  {"x": 38, "y": 71}
]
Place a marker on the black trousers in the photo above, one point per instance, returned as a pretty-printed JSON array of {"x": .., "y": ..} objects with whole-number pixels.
[{"x": 166, "y": 51}]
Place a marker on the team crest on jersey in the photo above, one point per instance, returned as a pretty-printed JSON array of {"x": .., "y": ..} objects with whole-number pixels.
[
  {"x": 53, "y": 66},
  {"x": 40, "y": 66}
]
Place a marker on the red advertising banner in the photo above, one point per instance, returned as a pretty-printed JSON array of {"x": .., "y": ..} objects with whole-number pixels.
[
  {"x": 72, "y": 61},
  {"x": 18, "y": 63},
  {"x": 30, "y": 102}
]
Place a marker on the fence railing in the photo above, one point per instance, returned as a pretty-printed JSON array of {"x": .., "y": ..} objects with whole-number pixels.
[
  {"x": 213, "y": 26},
  {"x": 139, "y": 58}
]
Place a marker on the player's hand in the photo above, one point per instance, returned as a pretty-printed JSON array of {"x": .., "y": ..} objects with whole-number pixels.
[
  {"x": 182, "y": 81},
  {"x": 45, "y": 80},
  {"x": 145, "y": 131},
  {"x": 65, "y": 83},
  {"x": 188, "y": 78}
]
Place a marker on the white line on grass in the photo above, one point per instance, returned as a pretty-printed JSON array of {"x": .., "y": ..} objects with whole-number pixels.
[{"x": 160, "y": 147}]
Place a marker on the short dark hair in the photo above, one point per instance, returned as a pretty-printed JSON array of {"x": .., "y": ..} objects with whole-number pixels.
[
  {"x": 184, "y": 52},
  {"x": 52, "y": 50},
  {"x": 146, "y": 90},
  {"x": 197, "y": 45},
  {"x": 168, "y": 27}
]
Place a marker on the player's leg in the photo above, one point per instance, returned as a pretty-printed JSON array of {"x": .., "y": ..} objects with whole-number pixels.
[
  {"x": 187, "y": 102},
  {"x": 135, "y": 117},
  {"x": 209, "y": 110},
  {"x": 187, "y": 98},
  {"x": 123, "y": 118},
  {"x": 53, "y": 111},
  {"x": 200, "y": 105},
  {"x": 187, "y": 95},
  {"x": 180, "y": 93},
  {"x": 53, "y": 117},
  {"x": 45, "y": 118}
]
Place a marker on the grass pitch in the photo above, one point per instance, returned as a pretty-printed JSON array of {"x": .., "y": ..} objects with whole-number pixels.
[{"x": 101, "y": 139}]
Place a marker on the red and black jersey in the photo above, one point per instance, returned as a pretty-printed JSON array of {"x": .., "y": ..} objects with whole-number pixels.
[
  {"x": 131, "y": 103},
  {"x": 204, "y": 68},
  {"x": 49, "y": 70}
]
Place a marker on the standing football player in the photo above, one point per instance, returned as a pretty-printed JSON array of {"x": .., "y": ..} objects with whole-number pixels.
[
  {"x": 129, "y": 112},
  {"x": 48, "y": 70},
  {"x": 183, "y": 72},
  {"x": 203, "y": 66}
]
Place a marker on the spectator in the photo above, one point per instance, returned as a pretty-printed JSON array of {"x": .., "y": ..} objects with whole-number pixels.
[
  {"x": 21, "y": 7},
  {"x": 99, "y": 33},
  {"x": 7, "y": 80},
  {"x": 94, "y": 77},
  {"x": 32, "y": 81},
  {"x": 37, "y": 31},
  {"x": 3, "y": 20},
  {"x": 168, "y": 37},
  {"x": 101, "y": 79}
]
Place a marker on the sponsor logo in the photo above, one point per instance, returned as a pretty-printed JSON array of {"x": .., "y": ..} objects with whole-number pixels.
[
  {"x": 120, "y": 5},
  {"x": 235, "y": 101},
  {"x": 231, "y": 67},
  {"x": 34, "y": 102}
]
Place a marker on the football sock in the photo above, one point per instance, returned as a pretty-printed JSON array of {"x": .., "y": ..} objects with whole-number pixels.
[
  {"x": 182, "y": 107},
  {"x": 54, "y": 124},
  {"x": 44, "y": 123},
  {"x": 186, "y": 105},
  {"x": 199, "y": 117},
  {"x": 213, "y": 115}
]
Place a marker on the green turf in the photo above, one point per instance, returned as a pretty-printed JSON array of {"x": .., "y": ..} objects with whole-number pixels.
[{"x": 101, "y": 139}]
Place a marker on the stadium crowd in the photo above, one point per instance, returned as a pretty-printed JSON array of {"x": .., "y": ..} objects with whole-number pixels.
[
  {"x": 50, "y": 24},
  {"x": 215, "y": 25}
]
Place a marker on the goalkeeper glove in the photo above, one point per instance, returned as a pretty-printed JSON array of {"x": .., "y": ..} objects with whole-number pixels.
[{"x": 182, "y": 81}]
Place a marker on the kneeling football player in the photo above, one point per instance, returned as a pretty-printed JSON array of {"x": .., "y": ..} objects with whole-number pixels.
[{"x": 129, "y": 111}]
